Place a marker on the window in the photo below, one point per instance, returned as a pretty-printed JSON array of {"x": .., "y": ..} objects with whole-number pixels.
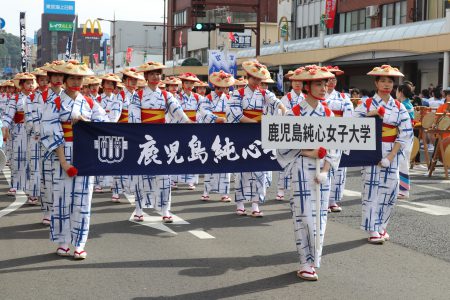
[
  {"x": 353, "y": 21},
  {"x": 394, "y": 13},
  {"x": 179, "y": 18}
]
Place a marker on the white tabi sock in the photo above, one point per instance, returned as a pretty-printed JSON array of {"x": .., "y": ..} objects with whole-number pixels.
[
  {"x": 138, "y": 211},
  {"x": 255, "y": 206},
  {"x": 240, "y": 205},
  {"x": 165, "y": 212}
]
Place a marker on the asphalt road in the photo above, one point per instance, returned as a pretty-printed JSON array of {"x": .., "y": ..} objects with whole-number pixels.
[{"x": 210, "y": 253}]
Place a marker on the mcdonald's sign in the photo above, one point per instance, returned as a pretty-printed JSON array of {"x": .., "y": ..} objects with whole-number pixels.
[{"x": 92, "y": 34}]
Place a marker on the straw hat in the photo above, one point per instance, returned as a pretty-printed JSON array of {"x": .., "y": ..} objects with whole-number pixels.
[
  {"x": 133, "y": 73},
  {"x": 50, "y": 67},
  {"x": 268, "y": 79},
  {"x": 39, "y": 72},
  {"x": 289, "y": 74},
  {"x": 335, "y": 70},
  {"x": 188, "y": 77},
  {"x": 73, "y": 67},
  {"x": 255, "y": 69},
  {"x": 92, "y": 80},
  {"x": 241, "y": 81},
  {"x": 8, "y": 83},
  {"x": 386, "y": 70},
  {"x": 221, "y": 79},
  {"x": 201, "y": 84},
  {"x": 311, "y": 73},
  {"x": 150, "y": 66},
  {"x": 120, "y": 85},
  {"x": 110, "y": 77},
  {"x": 161, "y": 85},
  {"x": 172, "y": 80},
  {"x": 24, "y": 76}
]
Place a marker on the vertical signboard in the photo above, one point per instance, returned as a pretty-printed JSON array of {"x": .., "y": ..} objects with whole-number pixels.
[{"x": 23, "y": 41}]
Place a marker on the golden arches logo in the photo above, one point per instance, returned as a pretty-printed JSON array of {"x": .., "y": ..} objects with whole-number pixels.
[{"x": 92, "y": 32}]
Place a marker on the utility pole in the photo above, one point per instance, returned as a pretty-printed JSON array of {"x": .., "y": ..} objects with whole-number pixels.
[{"x": 164, "y": 34}]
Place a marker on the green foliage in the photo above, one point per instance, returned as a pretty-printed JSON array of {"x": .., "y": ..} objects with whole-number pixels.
[{"x": 10, "y": 50}]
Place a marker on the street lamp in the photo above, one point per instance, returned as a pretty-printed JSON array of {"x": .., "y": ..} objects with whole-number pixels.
[{"x": 113, "y": 22}]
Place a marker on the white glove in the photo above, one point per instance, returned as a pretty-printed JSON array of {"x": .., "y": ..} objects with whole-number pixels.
[
  {"x": 385, "y": 162},
  {"x": 322, "y": 178}
]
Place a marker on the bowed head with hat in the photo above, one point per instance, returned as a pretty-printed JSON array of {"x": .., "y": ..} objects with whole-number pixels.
[
  {"x": 222, "y": 79},
  {"x": 311, "y": 73},
  {"x": 188, "y": 77},
  {"x": 255, "y": 69},
  {"x": 386, "y": 70}
]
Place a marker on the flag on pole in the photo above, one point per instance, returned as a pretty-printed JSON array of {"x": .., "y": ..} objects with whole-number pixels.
[
  {"x": 69, "y": 41},
  {"x": 128, "y": 56},
  {"x": 95, "y": 55},
  {"x": 180, "y": 42},
  {"x": 280, "y": 79},
  {"x": 230, "y": 34}
]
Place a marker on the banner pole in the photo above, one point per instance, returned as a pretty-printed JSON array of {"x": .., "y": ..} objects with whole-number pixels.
[{"x": 318, "y": 198}]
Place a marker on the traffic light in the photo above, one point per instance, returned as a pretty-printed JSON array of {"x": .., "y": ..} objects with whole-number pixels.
[
  {"x": 204, "y": 27},
  {"x": 226, "y": 27}
]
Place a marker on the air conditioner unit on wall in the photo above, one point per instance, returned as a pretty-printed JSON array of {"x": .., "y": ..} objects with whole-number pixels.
[{"x": 372, "y": 11}]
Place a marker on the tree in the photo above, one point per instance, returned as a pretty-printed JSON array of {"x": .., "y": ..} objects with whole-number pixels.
[{"x": 10, "y": 51}]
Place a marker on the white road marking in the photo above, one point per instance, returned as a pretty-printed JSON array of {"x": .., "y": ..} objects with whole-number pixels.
[
  {"x": 431, "y": 187},
  {"x": 153, "y": 222},
  {"x": 130, "y": 198},
  {"x": 425, "y": 208},
  {"x": 201, "y": 234},
  {"x": 20, "y": 200}
]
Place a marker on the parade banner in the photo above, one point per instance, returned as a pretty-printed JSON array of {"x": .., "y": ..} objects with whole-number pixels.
[
  {"x": 23, "y": 42},
  {"x": 166, "y": 149},
  {"x": 330, "y": 12},
  {"x": 219, "y": 60},
  {"x": 360, "y": 138}
]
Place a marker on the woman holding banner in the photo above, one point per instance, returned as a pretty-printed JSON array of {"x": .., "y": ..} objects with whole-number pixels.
[
  {"x": 247, "y": 105},
  {"x": 381, "y": 182},
  {"x": 305, "y": 182},
  {"x": 217, "y": 100},
  {"x": 72, "y": 194}
]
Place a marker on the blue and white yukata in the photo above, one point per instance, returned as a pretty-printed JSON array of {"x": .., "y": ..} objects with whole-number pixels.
[
  {"x": 191, "y": 105},
  {"x": 341, "y": 106},
  {"x": 14, "y": 120},
  {"x": 380, "y": 184},
  {"x": 251, "y": 186},
  {"x": 4, "y": 97},
  {"x": 120, "y": 106},
  {"x": 303, "y": 190},
  {"x": 217, "y": 182},
  {"x": 72, "y": 195},
  {"x": 8, "y": 145},
  {"x": 34, "y": 148},
  {"x": 153, "y": 191},
  {"x": 284, "y": 180},
  {"x": 48, "y": 158}
]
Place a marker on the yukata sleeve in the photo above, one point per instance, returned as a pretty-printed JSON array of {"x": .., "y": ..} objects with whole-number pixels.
[
  {"x": 29, "y": 107},
  {"x": 204, "y": 111},
  {"x": 360, "y": 110},
  {"x": 52, "y": 135},
  {"x": 9, "y": 113},
  {"x": 234, "y": 108},
  {"x": 348, "y": 108},
  {"x": 36, "y": 114},
  {"x": 272, "y": 103},
  {"x": 134, "y": 110},
  {"x": 98, "y": 113},
  {"x": 175, "y": 111},
  {"x": 405, "y": 130}
]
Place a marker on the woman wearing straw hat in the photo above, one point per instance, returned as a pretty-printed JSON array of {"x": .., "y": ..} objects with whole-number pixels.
[
  {"x": 172, "y": 84},
  {"x": 302, "y": 165},
  {"x": 341, "y": 106},
  {"x": 381, "y": 182},
  {"x": 34, "y": 147},
  {"x": 247, "y": 105},
  {"x": 151, "y": 105},
  {"x": 218, "y": 102},
  {"x": 72, "y": 194},
  {"x": 291, "y": 99},
  {"x": 192, "y": 106},
  {"x": 200, "y": 88},
  {"x": 130, "y": 78},
  {"x": 14, "y": 130},
  {"x": 10, "y": 95},
  {"x": 48, "y": 159}
]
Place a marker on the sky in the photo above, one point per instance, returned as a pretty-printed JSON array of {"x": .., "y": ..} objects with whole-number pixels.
[{"x": 135, "y": 10}]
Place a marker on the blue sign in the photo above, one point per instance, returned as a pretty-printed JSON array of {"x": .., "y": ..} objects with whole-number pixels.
[
  {"x": 170, "y": 149},
  {"x": 59, "y": 7},
  {"x": 218, "y": 60},
  {"x": 2, "y": 23}
]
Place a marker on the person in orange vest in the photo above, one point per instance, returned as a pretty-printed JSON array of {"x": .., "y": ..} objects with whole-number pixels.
[
  {"x": 14, "y": 131},
  {"x": 247, "y": 105},
  {"x": 302, "y": 165},
  {"x": 218, "y": 102},
  {"x": 381, "y": 182}
]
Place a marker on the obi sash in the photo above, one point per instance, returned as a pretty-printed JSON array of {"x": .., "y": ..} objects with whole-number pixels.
[
  {"x": 123, "y": 116},
  {"x": 389, "y": 134},
  {"x": 67, "y": 130},
  {"x": 19, "y": 117},
  {"x": 253, "y": 114},
  {"x": 191, "y": 114},
  {"x": 338, "y": 113},
  {"x": 220, "y": 114},
  {"x": 153, "y": 115}
]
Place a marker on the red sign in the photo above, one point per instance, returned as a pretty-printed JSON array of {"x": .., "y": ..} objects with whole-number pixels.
[
  {"x": 230, "y": 34},
  {"x": 128, "y": 56},
  {"x": 330, "y": 12},
  {"x": 180, "y": 42},
  {"x": 95, "y": 55}
]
